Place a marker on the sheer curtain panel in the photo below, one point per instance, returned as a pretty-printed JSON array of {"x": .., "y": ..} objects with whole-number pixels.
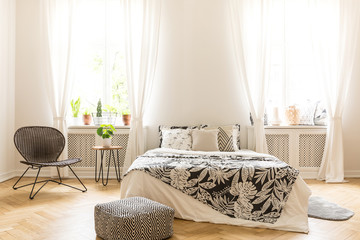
[
  {"x": 336, "y": 26},
  {"x": 141, "y": 24},
  {"x": 250, "y": 25},
  {"x": 57, "y": 28}
]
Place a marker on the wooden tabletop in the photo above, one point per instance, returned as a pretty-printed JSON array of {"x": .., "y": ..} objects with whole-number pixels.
[{"x": 106, "y": 148}]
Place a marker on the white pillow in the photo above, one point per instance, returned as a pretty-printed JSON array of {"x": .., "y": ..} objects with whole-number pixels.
[
  {"x": 176, "y": 139},
  {"x": 227, "y": 138},
  {"x": 205, "y": 140}
]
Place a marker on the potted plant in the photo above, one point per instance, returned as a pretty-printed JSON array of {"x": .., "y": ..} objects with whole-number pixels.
[
  {"x": 106, "y": 131},
  {"x": 75, "y": 109},
  {"x": 126, "y": 116},
  {"x": 86, "y": 117},
  {"x": 111, "y": 113},
  {"x": 98, "y": 116}
]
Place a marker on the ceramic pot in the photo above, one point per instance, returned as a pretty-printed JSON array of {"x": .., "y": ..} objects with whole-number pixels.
[
  {"x": 76, "y": 121},
  {"x": 126, "y": 119},
  {"x": 87, "y": 119},
  {"x": 106, "y": 142}
]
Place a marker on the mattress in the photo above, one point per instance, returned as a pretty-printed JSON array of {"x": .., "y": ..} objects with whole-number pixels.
[{"x": 138, "y": 183}]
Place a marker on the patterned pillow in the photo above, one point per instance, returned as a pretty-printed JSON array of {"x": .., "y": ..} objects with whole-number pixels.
[
  {"x": 228, "y": 137},
  {"x": 176, "y": 139},
  {"x": 164, "y": 127}
]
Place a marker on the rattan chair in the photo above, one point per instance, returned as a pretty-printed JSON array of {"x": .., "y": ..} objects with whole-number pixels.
[{"x": 41, "y": 147}]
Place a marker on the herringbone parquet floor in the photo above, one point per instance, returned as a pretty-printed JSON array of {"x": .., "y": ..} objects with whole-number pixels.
[{"x": 58, "y": 212}]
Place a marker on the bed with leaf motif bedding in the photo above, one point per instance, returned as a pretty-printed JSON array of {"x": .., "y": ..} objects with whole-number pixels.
[{"x": 242, "y": 188}]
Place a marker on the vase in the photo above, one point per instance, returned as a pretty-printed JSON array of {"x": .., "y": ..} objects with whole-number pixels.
[
  {"x": 76, "y": 121},
  {"x": 106, "y": 142},
  {"x": 292, "y": 115}
]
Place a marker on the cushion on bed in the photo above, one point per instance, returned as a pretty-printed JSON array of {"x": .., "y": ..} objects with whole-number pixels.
[
  {"x": 166, "y": 127},
  {"x": 177, "y": 139},
  {"x": 205, "y": 140},
  {"x": 228, "y": 137}
]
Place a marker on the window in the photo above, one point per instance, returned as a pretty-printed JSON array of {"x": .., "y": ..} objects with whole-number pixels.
[
  {"x": 100, "y": 68},
  {"x": 293, "y": 79}
]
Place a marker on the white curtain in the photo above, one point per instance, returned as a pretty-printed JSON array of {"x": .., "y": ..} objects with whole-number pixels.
[
  {"x": 141, "y": 24},
  {"x": 336, "y": 26},
  {"x": 57, "y": 55},
  {"x": 250, "y": 25}
]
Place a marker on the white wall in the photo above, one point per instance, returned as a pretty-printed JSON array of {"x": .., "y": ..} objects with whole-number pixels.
[
  {"x": 31, "y": 101},
  {"x": 351, "y": 124},
  {"x": 196, "y": 80},
  {"x": 7, "y": 79}
]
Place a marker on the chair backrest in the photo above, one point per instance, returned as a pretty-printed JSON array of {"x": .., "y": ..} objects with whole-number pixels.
[{"x": 39, "y": 144}]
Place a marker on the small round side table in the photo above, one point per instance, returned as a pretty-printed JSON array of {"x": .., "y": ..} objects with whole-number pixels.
[{"x": 116, "y": 162}]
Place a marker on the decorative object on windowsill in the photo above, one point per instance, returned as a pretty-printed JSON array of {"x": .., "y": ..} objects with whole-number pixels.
[
  {"x": 86, "y": 117},
  {"x": 265, "y": 119},
  {"x": 320, "y": 116},
  {"x": 307, "y": 111},
  {"x": 276, "y": 121},
  {"x": 99, "y": 109},
  {"x": 126, "y": 116},
  {"x": 292, "y": 115},
  {"x": 107, "y": 117},
  {"x": 106, "y": 131},
  {"x": 75, "y": 109}
]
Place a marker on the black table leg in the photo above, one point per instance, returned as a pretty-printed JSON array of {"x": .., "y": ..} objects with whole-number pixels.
[
  {"x": 118, "y": 162},
  {"x": 107, "y": 177}
]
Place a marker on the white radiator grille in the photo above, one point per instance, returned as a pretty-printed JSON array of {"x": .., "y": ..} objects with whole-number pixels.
[
  {"x": 121, "y": 140},
  {"x": 278, "y": 145},
  {"x": 311, "y": 149},
  {"x": 79, "y": 146}
]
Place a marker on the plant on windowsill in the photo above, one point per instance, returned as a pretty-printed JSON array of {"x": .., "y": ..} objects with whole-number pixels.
[
  {"x": 75, "y": 109},
  {"x": 126, "y": 116},
  {"x": 106, "y": 132},
  {"x": 86, "y": 117},
  {"x": 105, "y": 115}
]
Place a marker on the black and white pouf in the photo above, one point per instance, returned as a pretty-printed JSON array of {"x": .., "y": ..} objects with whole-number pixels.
[{"x": 133, "y": 218}]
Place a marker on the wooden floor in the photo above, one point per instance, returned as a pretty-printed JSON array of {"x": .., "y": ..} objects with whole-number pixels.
[{"x": 58, "y": 212}]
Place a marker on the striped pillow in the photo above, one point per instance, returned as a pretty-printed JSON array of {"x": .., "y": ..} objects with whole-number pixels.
[{"x": 228, "y": 137}]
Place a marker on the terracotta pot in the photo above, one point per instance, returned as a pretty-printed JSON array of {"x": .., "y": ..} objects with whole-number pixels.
[
  {"x": 126, "y": 119},
  {"x": 87, "y": 119}
]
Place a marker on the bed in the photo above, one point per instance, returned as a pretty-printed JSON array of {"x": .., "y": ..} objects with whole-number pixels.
[{"x": 150, "y": 176}]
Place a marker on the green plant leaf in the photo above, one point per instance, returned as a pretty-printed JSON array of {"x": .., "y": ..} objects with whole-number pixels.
[{"x": 100, "y": 131}]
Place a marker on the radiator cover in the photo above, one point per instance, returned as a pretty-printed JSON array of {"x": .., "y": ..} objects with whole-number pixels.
[
  {"x": 81, "y": 139},
  {"x": 300, "y": 146}
]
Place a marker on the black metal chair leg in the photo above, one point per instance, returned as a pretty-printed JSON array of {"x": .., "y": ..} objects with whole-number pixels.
[
  {"x": 57, "y": 168},
  {"x": 20, "y": 178},
  {"x": 37, "y": 175},
  {"x": 78, "y": 180}
]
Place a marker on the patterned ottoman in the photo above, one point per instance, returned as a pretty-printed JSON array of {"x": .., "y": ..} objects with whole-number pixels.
[{"x": 133, "y": 218}]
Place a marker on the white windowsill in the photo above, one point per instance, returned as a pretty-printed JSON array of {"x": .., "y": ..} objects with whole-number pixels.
[
  {"x": 293, "y": 127},
  {"x": 94, "y": 127}
]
